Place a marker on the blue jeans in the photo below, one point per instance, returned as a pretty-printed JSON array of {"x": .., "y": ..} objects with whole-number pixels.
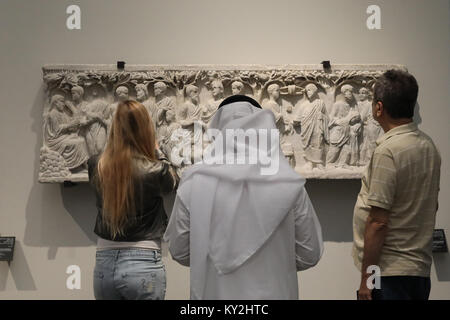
[
  {"x": 403, "y": 288},
  {"x": 129, "y": 274}
]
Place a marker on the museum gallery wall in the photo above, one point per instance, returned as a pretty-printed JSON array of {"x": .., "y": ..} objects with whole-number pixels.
[{"x": 324, "y": 116}]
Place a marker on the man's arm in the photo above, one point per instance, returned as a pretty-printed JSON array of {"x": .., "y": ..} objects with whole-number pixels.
[
  {"x": 308, "y": 234},
  {"x": 374, "y": 235},
  {"x": 178, "y": 233}
]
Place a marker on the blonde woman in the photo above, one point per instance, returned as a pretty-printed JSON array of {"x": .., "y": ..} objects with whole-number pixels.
[{"x": 129, "y": 178}]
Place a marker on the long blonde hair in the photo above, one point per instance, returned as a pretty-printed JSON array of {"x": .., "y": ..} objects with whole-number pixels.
[{"x": 132, "y": 133}]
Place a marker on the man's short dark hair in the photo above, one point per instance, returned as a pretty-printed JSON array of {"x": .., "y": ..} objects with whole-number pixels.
[
  {"x": 397, "y": 90},
  {"x": 237, "y": 98}
]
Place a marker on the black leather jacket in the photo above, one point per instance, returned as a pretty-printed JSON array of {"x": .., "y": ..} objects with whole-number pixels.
[{"x": 150, "y": 220}]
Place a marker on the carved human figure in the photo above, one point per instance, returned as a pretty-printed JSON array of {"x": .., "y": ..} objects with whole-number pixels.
[
  {"x": 190, "y": 110},
  {"x": 279, "y": 108},
  {"x": 189, "y": 114},
  {"x": 121, "y": 94},
  {"x": 77, "y": 104},
  {"x": 164, "y": 121},
  {"x": 168, "y": 140},
  {"x": 345, "y": 128},
  {"x": 286, "y": 147},
  {"x": 313, "y": 122},
  {"x": 92, "y": 114},
  {"x": 61, "y": 134},
  {"x": 163, "y": 103},
  {"x": 168, "y": 124},
  {"x": 213, "y": 104},
  {"x": 371, "y": 129},
  {"x": 141, "y": 92},
  {"x": 237, "y": 87},
  {"x": 142, "y": 95},
  {"x": 96, "y": 92},
  {"x": 284, "y": 123}
]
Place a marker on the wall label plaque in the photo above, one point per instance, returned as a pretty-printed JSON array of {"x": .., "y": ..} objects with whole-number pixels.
[
  {"x": 324, "y": 115},
  {"x": 439, "y": 241},
  {"x": 7, "y": 248}
]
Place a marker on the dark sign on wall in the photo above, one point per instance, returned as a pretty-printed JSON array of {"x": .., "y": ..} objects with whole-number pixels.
[
  {"x": 439, "y": 241},
  {"x": 7, "y": 248}
]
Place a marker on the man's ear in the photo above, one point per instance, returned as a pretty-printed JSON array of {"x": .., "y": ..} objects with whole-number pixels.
[{"x": 379, "y": 109}]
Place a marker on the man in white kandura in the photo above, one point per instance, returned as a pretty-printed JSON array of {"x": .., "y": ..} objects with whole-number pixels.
[{"x": 244, "y": 234}]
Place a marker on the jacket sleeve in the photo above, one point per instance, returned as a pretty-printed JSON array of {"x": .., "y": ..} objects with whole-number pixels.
[
  {"x": 178, "y": 233},
  {"x": 308, "y": 234},
  {"x": 91, "y": 167},
  {"x": 168, "y": 178}
]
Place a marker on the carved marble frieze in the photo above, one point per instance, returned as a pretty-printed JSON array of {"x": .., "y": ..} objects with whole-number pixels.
[{"x": 324, "y": 116}]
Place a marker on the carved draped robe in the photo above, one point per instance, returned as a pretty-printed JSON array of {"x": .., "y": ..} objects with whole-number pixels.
[
  {"x": 70, "y": 146},
  {"x": 277, "y": 111},
  {"x": 283, "y": 123},
  {"x": 314, "y": 129},
  {"x": 210, "y": 109},
  {"x": 96, "y": 132},
  {"x": 157, "y": 111},
  {"x": 190, "y": 114},
  {"x": 344, "y": 126},
  {"x": 371, "y": 131},
  {"x": 169, "y": 140}
]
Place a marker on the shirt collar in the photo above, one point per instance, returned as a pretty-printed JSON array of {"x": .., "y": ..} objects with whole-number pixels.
[{"x": 405, "y": 128}]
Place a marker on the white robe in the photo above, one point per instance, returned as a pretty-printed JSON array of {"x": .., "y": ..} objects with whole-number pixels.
[{"x": 244, "y": 235}]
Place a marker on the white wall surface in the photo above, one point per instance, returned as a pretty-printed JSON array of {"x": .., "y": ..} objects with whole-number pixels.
[{"x": 54, "y": 225}]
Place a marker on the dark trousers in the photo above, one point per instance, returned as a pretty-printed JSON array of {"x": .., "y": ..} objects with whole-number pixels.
[{"x": 403, "y": 288}]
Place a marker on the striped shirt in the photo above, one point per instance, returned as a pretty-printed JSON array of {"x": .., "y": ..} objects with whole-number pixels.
[{"x": 403, "y": 178}]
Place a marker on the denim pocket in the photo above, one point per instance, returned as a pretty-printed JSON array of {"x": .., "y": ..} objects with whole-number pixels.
[{"x": 144, "y": 282}]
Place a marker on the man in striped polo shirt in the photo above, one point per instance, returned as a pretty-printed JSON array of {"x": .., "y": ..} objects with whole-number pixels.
[{"x": 394, "y": 215}]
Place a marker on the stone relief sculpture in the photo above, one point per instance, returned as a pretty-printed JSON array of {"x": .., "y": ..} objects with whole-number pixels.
[
  {"x": 142, "y": 96},
  {"x": 121, "y": 94},
  {"x": 371, "y": 130},
  {"x": 313, "y": 119},
  {"x": 345, "y": 128},
  {"x": 281, "y": 109},
  {"x": 189, "y": 116},
  {"x": 62, "y": 135},
  {"x": 93, "y": 114},
  {"x": 324, "y": 117},
  {"x": 213, "y": 104},
  {"x": 163, "y": 103},
  {"x": 166, "y": 137},
  {"x": 237, "y": 87}
]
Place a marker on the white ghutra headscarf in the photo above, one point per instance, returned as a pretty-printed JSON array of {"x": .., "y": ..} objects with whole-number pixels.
[{"x": 234, "y": 208}]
